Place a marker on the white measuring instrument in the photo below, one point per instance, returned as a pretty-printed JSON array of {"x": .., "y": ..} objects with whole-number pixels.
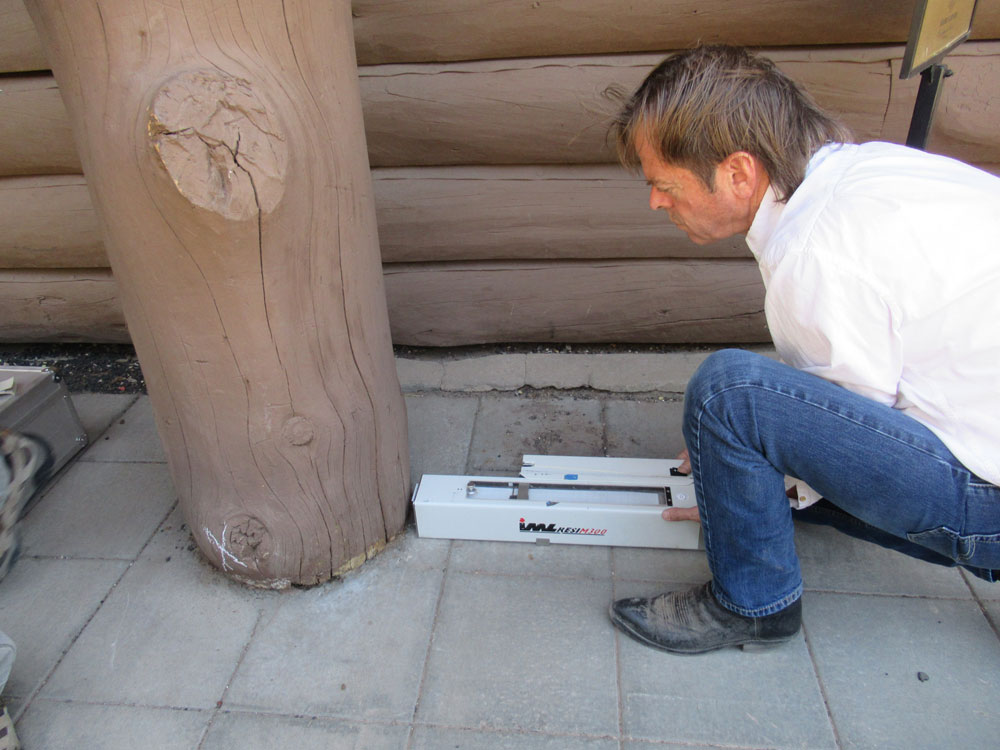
[{"x": 562, "y": 500}]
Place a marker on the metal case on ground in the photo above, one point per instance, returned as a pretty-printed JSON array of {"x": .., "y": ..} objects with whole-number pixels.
[{"x": 41, "y": 407}]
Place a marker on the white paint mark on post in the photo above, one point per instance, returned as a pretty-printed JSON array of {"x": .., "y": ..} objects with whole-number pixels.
[{"x": 223, "y": 552}]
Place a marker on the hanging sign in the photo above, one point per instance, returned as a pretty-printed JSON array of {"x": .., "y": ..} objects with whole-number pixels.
[{"x": 938, "y": 27}]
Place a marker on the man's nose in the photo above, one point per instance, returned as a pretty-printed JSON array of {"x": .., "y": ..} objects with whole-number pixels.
[{"x": 659, "y": 199}]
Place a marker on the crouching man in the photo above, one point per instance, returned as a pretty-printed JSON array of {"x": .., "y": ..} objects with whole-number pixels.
[{"x": 882, "y": 270}]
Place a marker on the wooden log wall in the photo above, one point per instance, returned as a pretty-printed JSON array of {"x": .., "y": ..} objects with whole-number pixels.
[{"x": 502, "y": 216}]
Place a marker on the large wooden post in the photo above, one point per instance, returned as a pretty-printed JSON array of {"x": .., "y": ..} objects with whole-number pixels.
[{"x": 224, "y": 146}]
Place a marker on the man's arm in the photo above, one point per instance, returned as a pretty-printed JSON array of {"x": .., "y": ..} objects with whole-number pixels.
[{"x": 827, "y": 320}]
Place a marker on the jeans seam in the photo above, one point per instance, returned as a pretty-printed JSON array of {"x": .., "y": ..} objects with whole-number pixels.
[
  {"x": 769, "y": 609},
  {"x": 703, "y": 404},
  {"x": 761, "y": 386},
  {"x": 754, "y": 579},
  {"x": 776, "y": 606},
  {"x": 706, "y": 527},
  {"x": 973, "y": 538}
]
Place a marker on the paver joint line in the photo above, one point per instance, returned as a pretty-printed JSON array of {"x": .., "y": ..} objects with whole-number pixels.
[
  {"x": 500, "y": 570},
  {"x": 822, "y": 687},
  {"x": 430, "y": 645}
]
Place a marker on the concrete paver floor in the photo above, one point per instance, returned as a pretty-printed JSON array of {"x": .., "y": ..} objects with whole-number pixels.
[{"x": 126, "y": 639}]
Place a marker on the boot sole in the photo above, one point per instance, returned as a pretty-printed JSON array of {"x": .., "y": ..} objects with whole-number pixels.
[{"x": 749, "y": 646}]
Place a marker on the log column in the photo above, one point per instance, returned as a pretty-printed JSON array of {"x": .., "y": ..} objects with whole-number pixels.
[{"x": 223, "y": 144}]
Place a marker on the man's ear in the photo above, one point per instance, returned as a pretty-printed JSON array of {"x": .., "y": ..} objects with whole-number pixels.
[{"x": 743, "y": 174}]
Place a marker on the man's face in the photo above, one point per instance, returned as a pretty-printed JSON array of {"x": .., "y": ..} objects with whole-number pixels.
[{"x": 704, "y": 215}]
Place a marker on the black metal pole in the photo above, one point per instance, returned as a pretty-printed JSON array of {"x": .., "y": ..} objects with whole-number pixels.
[{"x": 923, "y": 110}]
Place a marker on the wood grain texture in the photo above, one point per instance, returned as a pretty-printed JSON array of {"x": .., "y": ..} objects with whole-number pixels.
[
  {"x": 20, "y": 48},
  {"x": 556, "y": 110},
  {"x": 441, "y": 30},
  {"x": 224, "y": 145},
  {"x": 550, "y": 212},
  {"x": 424, "y": 214},
  {"x": 49, "y": 222},
  {"x": 35, "y": 134},
  {"x": 456, "y": 304},
  {"x": 393, "y": 31},
  {"x": 641, "y": 301},
  {"x": 61, "y": 305},
  {"x": 965, "y": 124}
]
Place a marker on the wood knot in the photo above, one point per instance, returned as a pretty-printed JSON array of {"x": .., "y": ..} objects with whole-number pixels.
[
  {"x": 221, "y": 148},
  {"x": 248, "y": 540},
  {"x": 298, "y": 431}
]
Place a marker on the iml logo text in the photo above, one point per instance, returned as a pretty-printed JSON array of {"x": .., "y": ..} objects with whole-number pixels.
[{"x": 551, "y": 528}]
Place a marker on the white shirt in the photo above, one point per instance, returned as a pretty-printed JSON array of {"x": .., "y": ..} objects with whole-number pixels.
[{"x": 882, "y": 273}]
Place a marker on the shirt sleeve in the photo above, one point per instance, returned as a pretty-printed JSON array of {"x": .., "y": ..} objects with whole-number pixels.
[
  {"x": 828, "y": 321},
  {"x": 804, "y": 494}
]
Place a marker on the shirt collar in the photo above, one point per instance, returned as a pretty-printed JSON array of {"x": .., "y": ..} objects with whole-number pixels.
[{"x": 764, "y": 222}]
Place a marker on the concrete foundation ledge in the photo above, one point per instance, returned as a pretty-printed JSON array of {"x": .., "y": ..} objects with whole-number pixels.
[{"x": 621, "y": 372}]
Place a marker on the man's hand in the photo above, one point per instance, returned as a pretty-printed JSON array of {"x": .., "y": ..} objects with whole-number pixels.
[
  {"x": 685, "y": 458},
  {"x": 682, "y": 514}
]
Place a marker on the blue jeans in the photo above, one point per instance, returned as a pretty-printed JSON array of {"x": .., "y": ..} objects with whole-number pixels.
[{"x": 749, "y": 421}]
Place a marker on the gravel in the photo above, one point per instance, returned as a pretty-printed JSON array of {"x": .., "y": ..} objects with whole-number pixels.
[
  {"x": 85, "y": 368},
  {"x": 114, "y": 368}
]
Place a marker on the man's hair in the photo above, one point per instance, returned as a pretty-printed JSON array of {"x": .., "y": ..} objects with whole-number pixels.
[{"x": 699, "y": 106}]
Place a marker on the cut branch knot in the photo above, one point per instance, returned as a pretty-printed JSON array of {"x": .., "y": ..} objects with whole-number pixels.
[{"x": 221, "y": 148}]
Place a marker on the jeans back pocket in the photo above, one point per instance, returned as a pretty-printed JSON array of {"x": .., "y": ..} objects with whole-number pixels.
[{"x": 975, "y": 550}]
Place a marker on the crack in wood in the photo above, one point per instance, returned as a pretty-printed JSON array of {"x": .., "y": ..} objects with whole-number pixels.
[{"x": 218, "y": 144}]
